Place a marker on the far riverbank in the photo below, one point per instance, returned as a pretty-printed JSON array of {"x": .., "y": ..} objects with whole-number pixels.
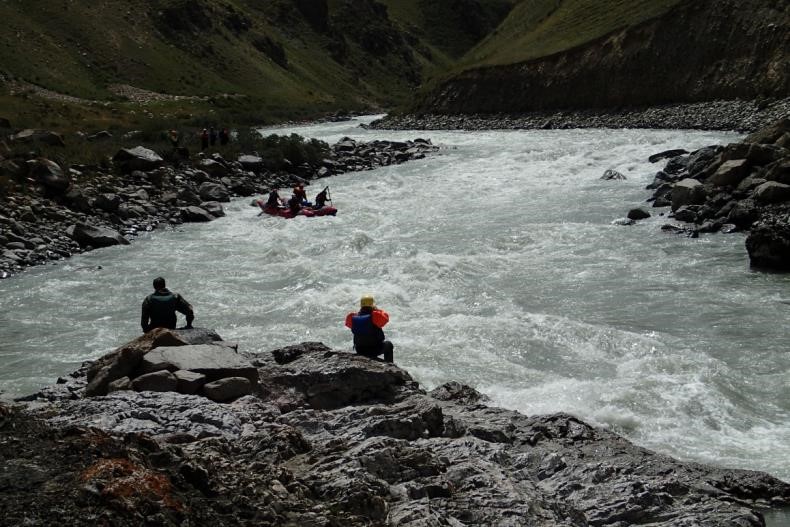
[{"x": 737, "y": 115}]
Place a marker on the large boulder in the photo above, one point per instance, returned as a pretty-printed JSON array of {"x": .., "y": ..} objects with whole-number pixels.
[
  {"x": 730, "y": 173},
  {"x": 137, "y": 158},
  {"x": 214, "y": 208},
  {"x": 213, "y": 168},
  {"x": 326, "y": 379},
  {"x": 49, "y": 174},
  {"x": 687, "y": 192},
  {"x": 253, "y": 163},
  {"x": 89, "y": 235},
  {"x": 215, "y": 362},
  {"x": 196, "y": 215},
  {"x": 209, "y": 191},
  {"x": 768, "y": 245},
  {"x": 772, "y": 192}
]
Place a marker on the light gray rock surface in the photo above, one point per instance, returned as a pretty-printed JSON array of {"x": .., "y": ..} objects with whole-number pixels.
[{"x": 334, "y": 437}]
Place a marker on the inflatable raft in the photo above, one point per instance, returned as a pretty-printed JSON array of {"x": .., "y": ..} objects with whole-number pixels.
[{"x": 285, "y": 212}]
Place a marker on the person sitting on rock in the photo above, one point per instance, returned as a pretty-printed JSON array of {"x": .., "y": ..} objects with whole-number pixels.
[
  {"x": 366, "y": 325},
  {"x": 159, "y": 308}
]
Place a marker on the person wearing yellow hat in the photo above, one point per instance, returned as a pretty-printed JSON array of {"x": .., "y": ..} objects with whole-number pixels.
[{"x": 366, "y": 327}]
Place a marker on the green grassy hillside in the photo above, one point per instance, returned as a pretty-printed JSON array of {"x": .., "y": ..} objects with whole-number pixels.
[
  {"x": 536, "y": 28},
  {"x": 261, "y": 60}
]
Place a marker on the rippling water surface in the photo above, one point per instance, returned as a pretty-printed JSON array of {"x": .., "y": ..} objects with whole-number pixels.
[{"x": 500, "y": 267}]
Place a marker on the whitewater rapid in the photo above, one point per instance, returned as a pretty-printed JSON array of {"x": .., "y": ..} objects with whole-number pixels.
[{"x": 500, "y": 266}]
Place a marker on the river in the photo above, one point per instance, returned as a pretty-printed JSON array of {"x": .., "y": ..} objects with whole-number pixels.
[{"x": 500, "y": 266}]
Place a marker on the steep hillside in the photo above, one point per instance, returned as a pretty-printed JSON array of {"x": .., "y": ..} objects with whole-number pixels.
[
  {"x": 286, "y": 55},
  {"x": 560, "y": 54}
]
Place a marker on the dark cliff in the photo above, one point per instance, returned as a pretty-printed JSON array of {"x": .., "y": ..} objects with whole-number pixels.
[{"x": 699, "y": 50}]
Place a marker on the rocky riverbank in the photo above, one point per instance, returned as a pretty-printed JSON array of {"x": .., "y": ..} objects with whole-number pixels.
[
  {"x": 59, "y": 211},
  {"x": 330, "y": 438},
  {"x": 740, "y": 187},
  {"x": 738, "y": 115}
]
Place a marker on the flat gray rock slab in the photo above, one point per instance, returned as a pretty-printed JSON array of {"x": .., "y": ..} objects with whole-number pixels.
[{"x": 215, "y": 362}]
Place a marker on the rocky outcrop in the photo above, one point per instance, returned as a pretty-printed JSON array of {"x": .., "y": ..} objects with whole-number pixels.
[
  {"x": 740, "y": 186},
  {"x": 334, "y": 438},
  {"x": 700, "y": 50},
  {"x": 67, "y": 211}
]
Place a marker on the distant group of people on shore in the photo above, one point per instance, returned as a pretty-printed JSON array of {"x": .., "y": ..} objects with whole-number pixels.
[
  {"x": 207, "y": 136},
  {"x": 160, "y": 307},
  {"x": 210, "y": 136}
]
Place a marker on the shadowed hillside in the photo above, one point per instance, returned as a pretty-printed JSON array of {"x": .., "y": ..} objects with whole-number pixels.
[
  {"x": 280, "y": 58},
  {"x": 560, "y": 54}
]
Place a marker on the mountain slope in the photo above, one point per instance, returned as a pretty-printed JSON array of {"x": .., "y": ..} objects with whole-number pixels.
[
  {"x": 284, "y": 54},
  {"x": 560, "y": 54}
]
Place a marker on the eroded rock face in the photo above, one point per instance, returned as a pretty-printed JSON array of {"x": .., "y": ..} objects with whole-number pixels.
[{"x": 339, "y": 439}]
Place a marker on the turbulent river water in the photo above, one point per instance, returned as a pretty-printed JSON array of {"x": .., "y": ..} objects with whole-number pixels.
[{"x": 500, "y": 267}]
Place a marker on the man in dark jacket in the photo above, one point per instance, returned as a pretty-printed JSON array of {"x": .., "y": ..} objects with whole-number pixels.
[
  {"x": 159, "y": 308},
  {"x": 366, "y": 326}
]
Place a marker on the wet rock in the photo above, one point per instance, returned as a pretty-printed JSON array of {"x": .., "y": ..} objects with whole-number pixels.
[
  {"x": 686, "y": 214},
  {"x": 209, "y": 191},
  {"x": 89, "y": 235},
  {"x": 667, "y": 154},
  {"x": 768, "y": 245},
  {"x": 638, "y": 214},
  {"x": 611, "y": 175},
  {"x": 459, "y": 393},
  {"x": 214, "y": 208},
  {"x": 196, "y": 214}
]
